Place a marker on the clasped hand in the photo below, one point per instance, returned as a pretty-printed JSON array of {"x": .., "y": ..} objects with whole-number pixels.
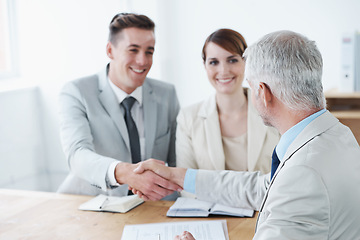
[
  {"x": 171, "y": 178},
  {"x": 147, "y": 180},
  {"x": 150, "y": 184}
]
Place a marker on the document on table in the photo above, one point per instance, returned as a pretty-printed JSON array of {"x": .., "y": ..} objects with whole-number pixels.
[{"x": 201, "y": 230}]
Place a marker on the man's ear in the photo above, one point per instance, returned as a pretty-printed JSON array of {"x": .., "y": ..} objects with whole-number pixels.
[
  {"x": 109, "y": 49},
  {"x": 265, "y": 93}
]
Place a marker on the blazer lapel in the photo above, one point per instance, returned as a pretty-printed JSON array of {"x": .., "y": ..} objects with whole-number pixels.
[
  {"x": 210, "y": 115},
  {"x": 150, "y": 108},
  {"x": 109, "y": 102},
  {"x": 315, "y": 128}
]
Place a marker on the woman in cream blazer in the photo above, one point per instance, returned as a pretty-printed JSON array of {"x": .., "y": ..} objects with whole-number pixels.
[{"x": 203, "y": 128}]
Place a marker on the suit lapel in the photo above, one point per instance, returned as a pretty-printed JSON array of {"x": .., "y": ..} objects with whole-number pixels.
[
  {"x": 210, "y": 115},
  {"x": 150, "y": 108},
  {"x": 109, "y": 102},
  {"x": 315, "y": 128}
]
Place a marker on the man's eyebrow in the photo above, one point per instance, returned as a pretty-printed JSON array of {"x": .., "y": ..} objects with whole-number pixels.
[
  {"x": 134, "y": 45},
  {"x": 137, "y": 46}
]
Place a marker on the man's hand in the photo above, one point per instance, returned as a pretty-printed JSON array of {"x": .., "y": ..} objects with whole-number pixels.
[
  {"x": 184, "y": 236},
  {"x": 152, "y": 185},
  {"x": 175, "y": 175}
]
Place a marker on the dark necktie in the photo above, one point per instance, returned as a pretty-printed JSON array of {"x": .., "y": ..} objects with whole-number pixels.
[
  {"x": 274, "y": 163},
  {"x": 132, "y": 130}
]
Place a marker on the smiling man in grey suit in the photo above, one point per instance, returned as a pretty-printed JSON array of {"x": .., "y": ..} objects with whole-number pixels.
[
  {"x": 100, "y": 151},
  {"x": 314, "y": 192}
]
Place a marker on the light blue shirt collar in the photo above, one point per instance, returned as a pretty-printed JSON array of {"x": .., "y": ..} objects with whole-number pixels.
[{"x": 288, "y": 137}]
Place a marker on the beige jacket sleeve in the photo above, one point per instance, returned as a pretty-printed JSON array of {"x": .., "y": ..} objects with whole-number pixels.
[{"x": 232, "y": 188}]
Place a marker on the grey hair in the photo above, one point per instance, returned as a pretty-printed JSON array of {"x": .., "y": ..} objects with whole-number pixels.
[{"x": 291, "y": 65}]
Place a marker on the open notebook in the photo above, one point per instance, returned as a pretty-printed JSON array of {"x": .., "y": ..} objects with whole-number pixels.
[
  {"x": 111, "y": 204},
  {"x": 189, "y": 207}
]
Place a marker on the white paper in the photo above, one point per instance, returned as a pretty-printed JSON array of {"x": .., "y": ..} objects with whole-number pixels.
[{"x": 201, "y": 230}]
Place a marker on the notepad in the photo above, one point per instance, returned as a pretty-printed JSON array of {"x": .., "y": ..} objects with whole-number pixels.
[
  {"x": 111, "y": 204},
  {"x": 189, "y": 207}
]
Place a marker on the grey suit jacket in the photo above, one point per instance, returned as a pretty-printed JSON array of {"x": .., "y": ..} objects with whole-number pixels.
[
  {"x": 314, "y": 193},
  {"x": 94, "y": 134}
]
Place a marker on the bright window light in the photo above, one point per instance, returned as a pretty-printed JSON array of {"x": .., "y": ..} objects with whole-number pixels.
[{"x": 8, "y": 40}]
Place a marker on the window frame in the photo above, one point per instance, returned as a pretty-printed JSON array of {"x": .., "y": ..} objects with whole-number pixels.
[{"x": 10, "y": 68}]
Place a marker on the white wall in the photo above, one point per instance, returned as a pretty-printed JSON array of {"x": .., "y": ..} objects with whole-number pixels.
[
  {"x": 60, "y": 40},
  {"x": 22, "y": 161},
  {"x": 190, "y": 22}
]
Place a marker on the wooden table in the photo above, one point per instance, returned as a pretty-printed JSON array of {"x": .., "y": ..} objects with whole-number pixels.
[{"x": 43, "y": 215}]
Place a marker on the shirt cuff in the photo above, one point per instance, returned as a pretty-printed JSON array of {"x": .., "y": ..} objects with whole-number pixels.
[
  {"x": 111, "y": 174},
  {"x": 190, "y": 180}
]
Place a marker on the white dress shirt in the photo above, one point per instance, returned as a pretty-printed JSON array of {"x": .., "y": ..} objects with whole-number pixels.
[{"x": 137, "y": 114}]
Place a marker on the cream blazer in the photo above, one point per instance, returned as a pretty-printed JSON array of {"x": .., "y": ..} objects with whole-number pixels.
[{"x": 199, "y": 141}]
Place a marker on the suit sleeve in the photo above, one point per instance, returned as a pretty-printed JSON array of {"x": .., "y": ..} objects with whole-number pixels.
[
  {"x": 297, "y": 207},
  {"x": 77, "y": 139},
  {"x": 232, "y": 188}
]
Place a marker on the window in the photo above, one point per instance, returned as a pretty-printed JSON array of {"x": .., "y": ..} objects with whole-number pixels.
[{"x": 8, "y": 40}]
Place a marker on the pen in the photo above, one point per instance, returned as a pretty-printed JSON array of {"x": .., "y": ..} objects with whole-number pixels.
[{"x": 104, "y": 203}]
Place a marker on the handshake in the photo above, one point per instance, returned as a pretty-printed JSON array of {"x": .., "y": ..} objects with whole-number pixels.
[{"x": 151, "y": 179}]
